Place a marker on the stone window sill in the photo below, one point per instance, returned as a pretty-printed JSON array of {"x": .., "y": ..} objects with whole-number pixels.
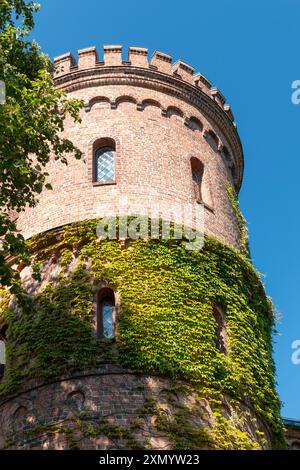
[
  {"x": 104, "y": 183},
  {"x": 206, "y": 206}
]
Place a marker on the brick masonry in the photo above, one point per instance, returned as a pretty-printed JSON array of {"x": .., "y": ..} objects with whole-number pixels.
[
  {"x": 116, "y": 396},
  {"x": 159, "y": 116},
  {"x": 292, "y": 429}
]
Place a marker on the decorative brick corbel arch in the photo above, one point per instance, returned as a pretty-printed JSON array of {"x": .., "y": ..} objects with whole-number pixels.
[{"x": 97, "y": 99}]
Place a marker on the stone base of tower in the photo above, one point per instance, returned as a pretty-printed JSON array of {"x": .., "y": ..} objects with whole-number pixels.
[{"x": 113, "y": 408}]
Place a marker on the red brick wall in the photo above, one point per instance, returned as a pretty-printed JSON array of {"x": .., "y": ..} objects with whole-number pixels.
[
  {"x": 293, "y": 437},
  {"x": 154, "y": 144},
  {"x": 116, "y": 396}
]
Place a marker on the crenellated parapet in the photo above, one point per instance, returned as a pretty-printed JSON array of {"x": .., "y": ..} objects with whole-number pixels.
[
  {"x": 160, "y": 73},
  {"x": 138, "y": 57}
]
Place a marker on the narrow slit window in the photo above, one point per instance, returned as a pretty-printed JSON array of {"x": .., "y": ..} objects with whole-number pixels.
[
  {"x": 197, "y": 177},
  {"x": 220, "y": 331},
  {"x": 106, "y": 314},
  {"x": 2, "y": 350}
]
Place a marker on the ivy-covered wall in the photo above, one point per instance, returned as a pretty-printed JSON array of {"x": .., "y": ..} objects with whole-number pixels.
[{"x": 165, "y": 321}]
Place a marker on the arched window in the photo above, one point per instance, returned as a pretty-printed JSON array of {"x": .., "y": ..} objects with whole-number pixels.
[
  {"x": 220, "y": 331},
  {"x": 104, "y": 165},
  {"x": 2, "y": 350},
  {"x": 229, "y": 161},
  {"x": 106, "y": 313},
  {"x": 197, "y": 176}
]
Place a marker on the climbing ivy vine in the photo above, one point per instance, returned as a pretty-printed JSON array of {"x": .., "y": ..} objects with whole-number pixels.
[
  {"x": 165, "y": 322},
  {"x": 244, "y": 239}
]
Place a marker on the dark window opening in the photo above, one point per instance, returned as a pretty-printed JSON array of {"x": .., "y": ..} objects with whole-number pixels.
[
  {"x": 3, "y": 340},
  {"x": 106, "y": 312},
  {"x": 197, "y": 176},
  {"x": 220, "y": 332}
]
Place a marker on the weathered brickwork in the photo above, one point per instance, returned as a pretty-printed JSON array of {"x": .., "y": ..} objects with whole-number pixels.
[
  {"x": 292, "y": 429},
  {"x": 158, "y": 123},
  {"x": 121, "y": 406}
]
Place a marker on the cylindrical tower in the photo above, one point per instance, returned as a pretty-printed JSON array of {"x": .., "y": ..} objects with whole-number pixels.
[{"x": 140, "y": 343}]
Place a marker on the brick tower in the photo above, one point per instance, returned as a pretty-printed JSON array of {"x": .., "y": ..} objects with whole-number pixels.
[{"x": 140, "y": 343}]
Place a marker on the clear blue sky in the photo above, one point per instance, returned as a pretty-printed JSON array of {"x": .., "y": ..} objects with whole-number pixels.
[{"x": 251, "y": 51}]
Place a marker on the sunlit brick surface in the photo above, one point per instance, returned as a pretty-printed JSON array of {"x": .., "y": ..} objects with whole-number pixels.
[{"x": 159, "y": 117}]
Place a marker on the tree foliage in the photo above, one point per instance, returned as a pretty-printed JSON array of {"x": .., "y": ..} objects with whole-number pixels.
[{"x": 31, "y": 122}]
